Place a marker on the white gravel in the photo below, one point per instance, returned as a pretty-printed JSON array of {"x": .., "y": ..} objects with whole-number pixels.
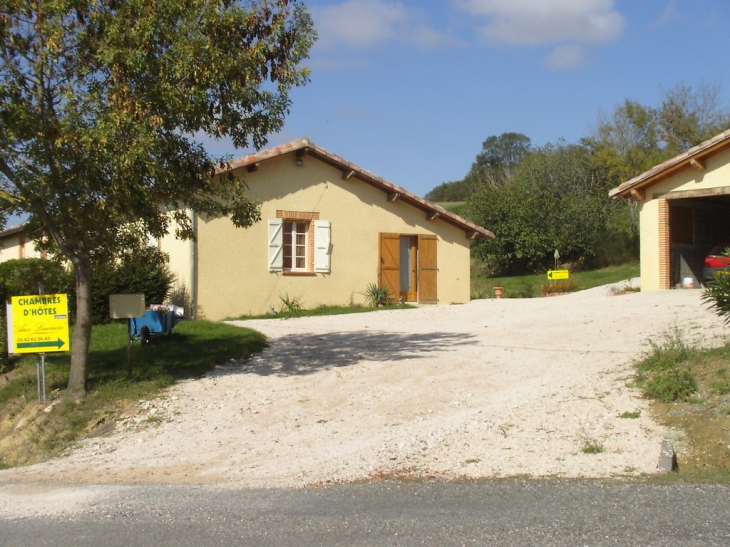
[{"x": 493, "y": 388}]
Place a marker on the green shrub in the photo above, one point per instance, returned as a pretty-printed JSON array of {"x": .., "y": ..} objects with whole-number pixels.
[
  {"x": 717, "y": 293},
  {"x": 524, "y": 289},
  {"x": 139, "y": 271},
  {"x": 663, "y": 371},
  {"x": 670, "y": 386},
  {"x": 25, "y": 276},
  {"x": 377, "y": 295},
  {"x": 670, "y": 352}
]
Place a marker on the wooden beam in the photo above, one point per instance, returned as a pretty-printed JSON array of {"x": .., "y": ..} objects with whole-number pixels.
[
  {"x": 470, "y": 235},
  {"x": 301, "y": 152},
  {"x": 698, "y": 163},
  {"x": 431, "y": 215},
  {"x": 638, "y": 194},
  {"x": 392, "y": 196},
  {"x": 253, "y": 167},
  {"x": 347, "y": 174},
  {"x": 705, "y": 193}
]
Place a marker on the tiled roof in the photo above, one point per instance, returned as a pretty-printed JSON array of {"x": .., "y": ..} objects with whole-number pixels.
[
  {"x": 677, "y": 163},
  {"x": 13, "y": 229},
  {"x": 304, "y": 146}
]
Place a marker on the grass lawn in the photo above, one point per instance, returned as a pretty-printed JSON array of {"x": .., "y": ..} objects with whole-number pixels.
[
  {"x": 528, "y": 286},
  {"x": 322, "y": 310},
  {"x": 193, "y": 348}
]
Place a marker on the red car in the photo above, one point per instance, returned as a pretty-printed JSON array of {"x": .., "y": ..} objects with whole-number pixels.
[{"x": 715, "y": 261}]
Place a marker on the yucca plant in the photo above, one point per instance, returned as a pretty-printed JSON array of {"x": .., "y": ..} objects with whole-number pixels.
[
  {"x": 291, "y": 305},
  {"x": 377, "y": 295}
]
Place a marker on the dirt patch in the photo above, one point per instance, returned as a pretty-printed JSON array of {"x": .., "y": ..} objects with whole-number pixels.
[{"x": 489, "y": 389}]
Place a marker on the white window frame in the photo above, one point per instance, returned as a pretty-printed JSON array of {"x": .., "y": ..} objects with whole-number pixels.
[{"x": 290, "y": 250}]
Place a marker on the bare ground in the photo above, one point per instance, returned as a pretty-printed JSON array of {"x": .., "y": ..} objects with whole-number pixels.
[{"x": 493, "y": 388}]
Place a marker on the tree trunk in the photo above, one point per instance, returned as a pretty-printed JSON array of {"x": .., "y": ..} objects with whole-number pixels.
[{"x": 82, "y": 333}]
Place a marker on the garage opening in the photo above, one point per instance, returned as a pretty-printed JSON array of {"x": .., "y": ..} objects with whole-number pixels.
[{"x": 696, "y": 225}]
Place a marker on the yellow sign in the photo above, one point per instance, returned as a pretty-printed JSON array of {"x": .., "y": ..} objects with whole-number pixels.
[
  {"x": 558, "y": 274},
  {"x": 38, "y": 324}
]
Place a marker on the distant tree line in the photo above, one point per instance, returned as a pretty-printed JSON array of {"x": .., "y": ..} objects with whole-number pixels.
[{"x": 539, "y": 199}]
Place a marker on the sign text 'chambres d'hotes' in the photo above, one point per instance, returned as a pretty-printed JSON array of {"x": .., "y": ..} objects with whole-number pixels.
[{"x": 38, "y": 324}]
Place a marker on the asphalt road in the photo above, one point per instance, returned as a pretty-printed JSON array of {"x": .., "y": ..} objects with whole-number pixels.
[{"x": 494, "y": 513}]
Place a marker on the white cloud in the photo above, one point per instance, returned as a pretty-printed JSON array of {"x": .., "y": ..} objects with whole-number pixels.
[
  {"x": 567, "y": 57},
  {"x": 537, "y": 22},
  {"x": 365, "y": 24},
  {"x": 359, "y": 23}
]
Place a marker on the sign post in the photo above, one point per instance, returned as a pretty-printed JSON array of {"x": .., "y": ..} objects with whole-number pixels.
[
  {"x": 127, "y": 306},
  {"x": 38, "y": 324}
]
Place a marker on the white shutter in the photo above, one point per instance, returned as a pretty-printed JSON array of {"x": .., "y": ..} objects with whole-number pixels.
[
  {"x": 322, "y": 246},
  {"x": 276, "y": 244}
]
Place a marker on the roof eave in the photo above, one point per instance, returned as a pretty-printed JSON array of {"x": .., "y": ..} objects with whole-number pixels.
[{"x": 691, "y": 158}]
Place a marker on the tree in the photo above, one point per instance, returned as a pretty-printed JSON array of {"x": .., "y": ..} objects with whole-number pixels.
[
  {"x": 690, "y": 116},
  {"x": 556, "y": 200},
  {"x": 504, "y": 151},
  {"x": 100, "y": 101},
  {"x": 635, "y": 138},
  {"x": 496, "y": 163}
]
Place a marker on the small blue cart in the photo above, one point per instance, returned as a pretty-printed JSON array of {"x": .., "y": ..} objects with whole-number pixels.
[{"x": 156, "y": 321}]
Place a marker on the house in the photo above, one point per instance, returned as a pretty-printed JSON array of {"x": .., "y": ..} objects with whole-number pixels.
[
  {"x": 329, "y": 229},
  {"x": 14, "y": 243},
  {"x": 684, "y": 206}
]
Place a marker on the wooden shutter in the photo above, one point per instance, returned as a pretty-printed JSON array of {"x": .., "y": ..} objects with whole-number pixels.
[
  {"x": 427, "y": 269},
  {"x": 276, "y": 244},
  {"x": 389, "y": 270},
  {"x": 322, "y": 246}
]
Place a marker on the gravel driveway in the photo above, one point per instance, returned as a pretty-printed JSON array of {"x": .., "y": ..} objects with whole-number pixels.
[{"x": 487, "y": 389}]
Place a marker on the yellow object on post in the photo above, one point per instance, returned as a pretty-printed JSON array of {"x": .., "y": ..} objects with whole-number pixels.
[
  {"x": 38, "y": 324},
  {"x": 558, "y": 274}
]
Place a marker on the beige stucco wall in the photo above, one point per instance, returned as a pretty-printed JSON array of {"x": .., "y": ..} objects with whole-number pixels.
[
  {"x": 15, "y": 246},
  {"x": 180, "y": 253},
  {"x": 233, "y": 276},
  {"x": 716, "y": 175},
  {"x": 649, "y": 245}
]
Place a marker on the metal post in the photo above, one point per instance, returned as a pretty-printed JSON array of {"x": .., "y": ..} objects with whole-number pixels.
[
  {"x": 43, "y": 374},
  {"x": 41, "y": 365},
  {"x": 129, "y": 348},
  {"x": 38, "y": 374}
]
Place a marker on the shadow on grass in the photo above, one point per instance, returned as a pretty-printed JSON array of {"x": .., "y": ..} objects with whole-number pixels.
[
  {"x": 190, "y": 351},
  {"x": 309, "y": 353}
]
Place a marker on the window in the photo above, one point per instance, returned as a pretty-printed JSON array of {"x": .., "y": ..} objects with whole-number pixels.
[
  {"x": 296, "y": 235},
  {"x": 299, "y": 243}
]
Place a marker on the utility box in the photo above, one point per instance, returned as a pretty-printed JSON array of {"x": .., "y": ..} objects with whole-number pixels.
[{"x": 126, "y": 306}]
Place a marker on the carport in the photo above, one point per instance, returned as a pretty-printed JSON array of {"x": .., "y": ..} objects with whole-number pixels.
[{"x": 684, "y": 211}]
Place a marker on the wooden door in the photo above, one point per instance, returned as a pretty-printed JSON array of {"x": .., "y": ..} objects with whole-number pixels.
[
  {"x": 389, "y": 270},
  {"x": 427, "y": 269}
]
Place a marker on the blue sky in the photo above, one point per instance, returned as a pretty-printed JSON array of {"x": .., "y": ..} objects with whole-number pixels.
[{"x": 410, "y": 89}]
